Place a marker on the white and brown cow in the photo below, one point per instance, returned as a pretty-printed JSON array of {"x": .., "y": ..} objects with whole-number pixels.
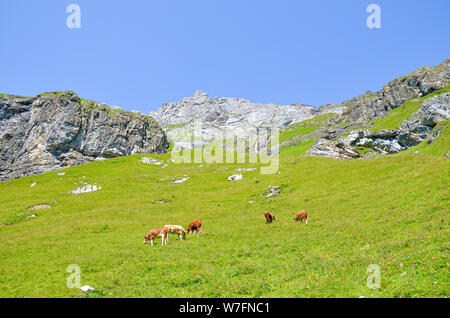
[
  {"x": 177, "y": 229},
  {"x": 163, "y": 232}
]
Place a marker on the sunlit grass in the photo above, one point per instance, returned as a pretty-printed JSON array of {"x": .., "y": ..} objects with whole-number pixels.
[{"x": 391, "y": 211}]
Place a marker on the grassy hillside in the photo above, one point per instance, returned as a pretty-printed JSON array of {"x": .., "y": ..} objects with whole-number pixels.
[
  {"x": 301, "y": 139},
  {"x": 297, "y": 135},
  {"x": 304, "y": 127},
  {"x": 398, "y": 115},
  {"x": 439, "y": 147},
  {"x": 391, "y": 211}
]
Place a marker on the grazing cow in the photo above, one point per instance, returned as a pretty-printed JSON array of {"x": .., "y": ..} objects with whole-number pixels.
[
  {"x": 300, "y": 216},
  {"x": 269, "y": 217},
  {"x": 177, "y": 229},
  {"x": 196, "y": 226},
  {"x": 164, "y": 233}
]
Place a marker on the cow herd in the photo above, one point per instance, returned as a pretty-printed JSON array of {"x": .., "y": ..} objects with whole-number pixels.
[
  {"x": 197, "y": 227},
  {"x": 193, "y": 227}
]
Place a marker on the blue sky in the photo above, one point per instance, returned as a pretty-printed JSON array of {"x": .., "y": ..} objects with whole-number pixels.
[{"x": 138, "y": 54}]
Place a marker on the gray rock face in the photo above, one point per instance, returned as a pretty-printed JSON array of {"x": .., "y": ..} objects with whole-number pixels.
[
  {"x": 238, "y": 115},
  {"x": 417, "y": 128},
  {"x": 231, "y": 112},
  {"x": 56, "y": 130},
  {"x": 420, "y": 83},
  {"x": 432, "y": 111},
  {"x": 328, "y": 148}
]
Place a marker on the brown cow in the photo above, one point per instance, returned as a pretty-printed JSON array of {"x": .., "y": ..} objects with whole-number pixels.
[
  {"x": 269, "y": 217},
  {"x": 196, "y": 226},
  {"x": 163, "y": 232},
  {"x": 301, "y": 215}
]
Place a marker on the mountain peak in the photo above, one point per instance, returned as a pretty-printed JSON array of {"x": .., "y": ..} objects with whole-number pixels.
[{"x": 200, "y": 93}]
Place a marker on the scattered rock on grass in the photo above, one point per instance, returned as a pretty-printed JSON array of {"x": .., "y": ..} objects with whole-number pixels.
[
  {"x": 86, "y": 189},
  {"x": 151, "y": 161},
  {"x": 245, "y": 169},
  {"x": 235, "y": 177},
  {"x": 272, "y": 191},
  {"x": 40, "y": 207},
  {"x": 180, "y": 180},
  {"x": 86, "y": 288}
]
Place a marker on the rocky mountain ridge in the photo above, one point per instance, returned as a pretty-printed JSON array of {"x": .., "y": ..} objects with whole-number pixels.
[
  {"x": 236, "y": 114},
  {"x": 242, "y": 117},
  {"x": 422, "y": 125},
  {"x": 58, "y": 129},
  {"x": 417, "y": 84}
]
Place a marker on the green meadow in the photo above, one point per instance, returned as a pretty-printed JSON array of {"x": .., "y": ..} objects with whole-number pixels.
[{"x": 391, "y": 211}]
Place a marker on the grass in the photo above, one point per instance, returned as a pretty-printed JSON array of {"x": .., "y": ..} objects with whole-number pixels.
[
  {"x": 304, "y": 127},
  {"x": 11, "y": 96},
  {"x": 391, "y": 211},
  {"x": 364, "y": 150},
  {"x": 398, "y": 115},
  {"x": 173, "y": 126},
  {"x": 299, "y": 149},
  {"x": 439, "y": 147},
  {"x": 89, "y": 105}
]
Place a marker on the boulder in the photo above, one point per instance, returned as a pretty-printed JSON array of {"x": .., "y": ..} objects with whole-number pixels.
[{"x": 235, "y": 177}]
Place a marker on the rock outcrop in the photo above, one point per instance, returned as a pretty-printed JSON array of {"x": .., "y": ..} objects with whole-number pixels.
[
  {"x": 331, "y": 149},
  {"x": 238, "y": 115},
  {"x": 58, "y": 129},
  {"x": 417, "y": 84},
  {"x": 224, "y": 111},
  {"x": 419, "y": 127}
]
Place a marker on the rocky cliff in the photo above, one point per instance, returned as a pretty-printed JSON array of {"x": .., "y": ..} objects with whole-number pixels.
[
  {"x": 58, "y": 129},
  {"x": 417, "y": 84},
  {"x": 236, "y": 114},
  {"x": 244, "y": 117}
]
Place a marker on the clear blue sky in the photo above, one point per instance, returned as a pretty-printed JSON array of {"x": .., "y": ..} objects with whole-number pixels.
[{"x": 139, "y": 53}]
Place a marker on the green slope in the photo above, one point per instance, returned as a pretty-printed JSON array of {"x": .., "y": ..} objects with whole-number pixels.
[
  {"x": 304, "y": 127},
  {"x": 391, "y": 211},
  {"x": 295, "y": 132},
  {"x": 440, "y": 147},
  {"x": 398, "y": 115}
]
